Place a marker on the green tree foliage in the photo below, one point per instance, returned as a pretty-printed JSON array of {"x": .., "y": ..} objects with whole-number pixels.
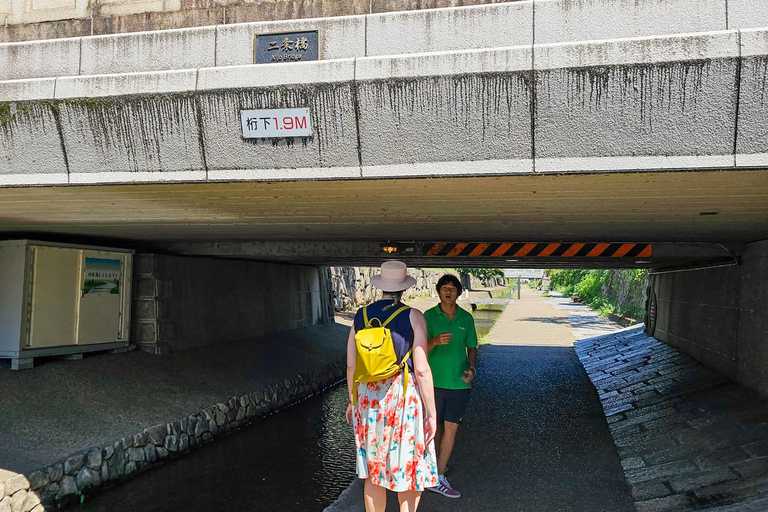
[
  {"x": 607, "y": 291},
  {"x": 481, "y": 273}
]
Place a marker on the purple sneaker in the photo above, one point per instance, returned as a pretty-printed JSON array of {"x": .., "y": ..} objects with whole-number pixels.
[{"x": 444, "y": 488}]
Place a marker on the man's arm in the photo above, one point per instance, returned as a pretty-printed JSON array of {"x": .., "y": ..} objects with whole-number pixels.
[
  {"x": 471, "y": 372},
  {"x": 472, "y": 357}
]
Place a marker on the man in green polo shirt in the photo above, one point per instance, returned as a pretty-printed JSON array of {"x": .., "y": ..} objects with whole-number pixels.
[{"x": 452, "y": 342}]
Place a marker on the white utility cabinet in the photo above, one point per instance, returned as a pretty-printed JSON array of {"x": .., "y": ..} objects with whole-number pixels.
[{"x": 62, "y": 299}]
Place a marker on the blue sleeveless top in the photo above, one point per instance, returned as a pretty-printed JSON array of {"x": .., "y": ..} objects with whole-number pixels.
[{"x": 400, "y": 327}]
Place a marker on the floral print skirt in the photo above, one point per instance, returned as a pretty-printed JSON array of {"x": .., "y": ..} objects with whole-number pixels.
[{"x": 389, "y": 435}]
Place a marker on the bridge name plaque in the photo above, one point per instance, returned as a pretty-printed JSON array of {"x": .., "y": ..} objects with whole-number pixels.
[
  {"x": 276, "y": 123},
  {"x": 285, "y": 47}
]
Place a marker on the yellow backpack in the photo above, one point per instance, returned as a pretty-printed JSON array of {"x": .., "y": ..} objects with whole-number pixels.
[{"x": 376, "y": 357}]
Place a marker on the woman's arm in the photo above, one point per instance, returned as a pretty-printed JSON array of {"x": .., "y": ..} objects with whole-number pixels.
[
  {"x": 351, "y": 365},
  {"x": 423, "y": 373}
]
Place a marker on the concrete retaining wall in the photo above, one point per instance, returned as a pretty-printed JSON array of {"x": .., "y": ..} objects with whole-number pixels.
[
  {"x": 63, "y": 482},
  {"x": 718, "y": 316},
  {"x": 521, "y": 23},
  {"x": 48, "y": 19},
  {"x": 185, "y": 302}
]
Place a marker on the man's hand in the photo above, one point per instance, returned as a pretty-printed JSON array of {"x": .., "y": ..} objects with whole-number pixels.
[
  {"x": 469, "y": 375},
  {"x": 441, "y": 339}
]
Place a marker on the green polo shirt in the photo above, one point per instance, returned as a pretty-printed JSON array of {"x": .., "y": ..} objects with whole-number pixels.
[{"x": 449, "y": 362}]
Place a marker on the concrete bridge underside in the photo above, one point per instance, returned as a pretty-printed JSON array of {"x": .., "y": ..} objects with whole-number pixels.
[{"x": 346, "y": 221}]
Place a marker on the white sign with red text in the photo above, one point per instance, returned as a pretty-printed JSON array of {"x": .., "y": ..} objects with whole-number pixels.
[{"x": 276, "y": 123}]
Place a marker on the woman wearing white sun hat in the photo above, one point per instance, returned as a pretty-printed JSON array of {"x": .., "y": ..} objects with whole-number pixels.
[{"x": 394, "y": 428}]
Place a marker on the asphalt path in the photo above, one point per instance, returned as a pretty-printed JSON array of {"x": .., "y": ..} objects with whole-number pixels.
[{"x": 534, "y": 439}]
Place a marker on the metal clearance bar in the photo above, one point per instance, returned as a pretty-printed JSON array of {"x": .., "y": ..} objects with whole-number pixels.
[{"x": 539, "y": 250}]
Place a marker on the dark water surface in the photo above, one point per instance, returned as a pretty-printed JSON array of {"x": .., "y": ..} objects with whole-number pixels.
[{"x": 299, "y": 459}]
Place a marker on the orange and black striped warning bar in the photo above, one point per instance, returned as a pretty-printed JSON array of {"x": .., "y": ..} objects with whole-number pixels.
[{"x": 539, "y": 250}]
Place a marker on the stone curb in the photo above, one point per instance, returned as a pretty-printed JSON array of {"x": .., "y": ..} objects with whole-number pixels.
[{"x": 66, "y": 481}]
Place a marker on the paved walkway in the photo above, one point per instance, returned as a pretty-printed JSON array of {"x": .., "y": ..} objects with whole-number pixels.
[{"x": 534, "y": 437}]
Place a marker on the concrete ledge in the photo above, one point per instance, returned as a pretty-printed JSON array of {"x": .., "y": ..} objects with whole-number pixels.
[
  {"x": 272, "y": 75},
  {"x": 148, "y": 51},
  {"x": 96, "y": 86},
  {"x": 754, "y": 42},
  {"x": 752, "y": 160},
  {"x": 646, "y": 50},
  {"x": 310, "y": 173},
  {"x": 455, "y": 28},
  {"x": 28, "y": 89},
  {"x": 85, "y": 178},
  {"x": 339, "y": 38},
  {"x": 633, "y": 163},
  {"x": 445, "y": 63},
  {"x": 55, "y": 57},
  {"x": 568, "y": 20},
  {"x": 472, "y": 168},
  {"x": 59, "y": 178}
]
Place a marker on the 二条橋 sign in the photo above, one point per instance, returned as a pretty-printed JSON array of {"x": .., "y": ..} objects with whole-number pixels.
[
  {"x": 276, "y": 123},
  {"x": 285, "y": 47}
]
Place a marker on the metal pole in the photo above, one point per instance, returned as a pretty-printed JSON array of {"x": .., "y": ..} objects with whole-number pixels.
[{"x": 518, "y": 288}]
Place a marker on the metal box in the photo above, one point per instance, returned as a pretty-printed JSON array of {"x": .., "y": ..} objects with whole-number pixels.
[{"x": 62, "y": 299}]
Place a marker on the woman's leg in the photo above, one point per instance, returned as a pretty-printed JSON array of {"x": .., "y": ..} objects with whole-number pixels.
[
  {"x": 375, "y": 497},
  {"x": 409, "y": 500}
]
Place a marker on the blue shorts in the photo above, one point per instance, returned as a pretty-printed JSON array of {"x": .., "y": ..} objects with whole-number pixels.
[{"x": 450, "y": 404}]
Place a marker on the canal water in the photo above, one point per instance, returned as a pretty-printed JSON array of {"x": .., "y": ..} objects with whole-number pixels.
[{"x": 301, "y": 458}]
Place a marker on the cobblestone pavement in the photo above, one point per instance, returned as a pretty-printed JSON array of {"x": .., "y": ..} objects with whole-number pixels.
[{"x": 688, "y": 437}]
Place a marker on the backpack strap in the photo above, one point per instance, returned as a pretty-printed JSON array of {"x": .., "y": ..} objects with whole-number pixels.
[
  {"x": 393, "y": 315},
  {"x": 368, "y": 322},
  {"x": 404, "y": 369}
]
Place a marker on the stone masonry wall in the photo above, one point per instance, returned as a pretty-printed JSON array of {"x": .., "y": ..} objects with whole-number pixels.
[
  {"x": 63, "y": 482},
  {"x": 352, "y": 285}
]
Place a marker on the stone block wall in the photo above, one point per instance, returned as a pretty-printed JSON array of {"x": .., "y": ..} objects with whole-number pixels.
[
  {"x": 185, "y": 302},
  {"x": 718, "y": 315},
  {"x": 352, "y": 285},
  {"x": 63, "y": 482}
]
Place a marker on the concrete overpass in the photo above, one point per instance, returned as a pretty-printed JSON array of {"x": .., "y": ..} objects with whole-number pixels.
[
  {"x": 588, "y": 122},
  {"x": 600, "y": 134}
]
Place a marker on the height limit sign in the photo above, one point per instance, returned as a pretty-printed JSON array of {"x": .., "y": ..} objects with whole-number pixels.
[{"x": 276, "y": 123}]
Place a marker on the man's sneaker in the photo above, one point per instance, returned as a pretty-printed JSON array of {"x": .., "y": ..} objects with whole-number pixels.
[{"x": 444, "y": 488}]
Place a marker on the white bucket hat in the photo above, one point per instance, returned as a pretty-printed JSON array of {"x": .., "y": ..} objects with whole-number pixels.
[{"x": 393, "y": 277}]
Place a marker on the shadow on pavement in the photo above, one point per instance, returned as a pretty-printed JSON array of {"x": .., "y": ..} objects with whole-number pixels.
[{"x": 534, "y": 438}]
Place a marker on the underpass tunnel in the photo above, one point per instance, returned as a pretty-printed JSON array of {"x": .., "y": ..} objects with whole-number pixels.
[{"x": 217, "y": 262}]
